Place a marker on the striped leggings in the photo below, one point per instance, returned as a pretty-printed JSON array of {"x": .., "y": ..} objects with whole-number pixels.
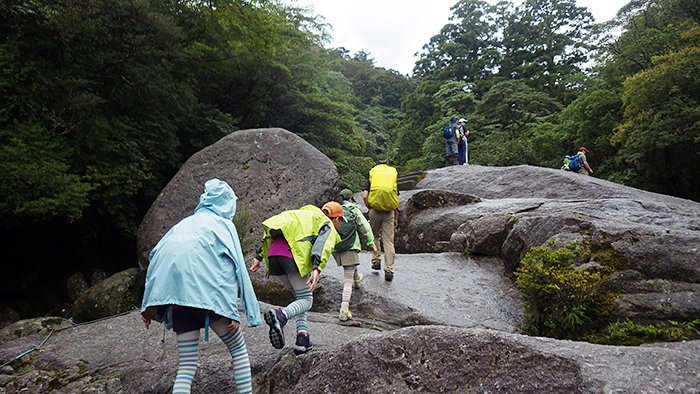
[
  {"x": 188, "y": 351},
  {"x": 304, "y": 299}
]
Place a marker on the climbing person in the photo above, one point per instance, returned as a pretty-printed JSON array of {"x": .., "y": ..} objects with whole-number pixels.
[
  {"x": 451, "y": 148},
  {"x": 193, "y": 280},
  {"x": 381, "y": 196},
  {"x": 354, "y": 231},
  {"x": 296, "y": 245},
  {"x": 462, "y": 145},
  {"x": 585, "y": 168},
  {"x": 565, "y": 166}
]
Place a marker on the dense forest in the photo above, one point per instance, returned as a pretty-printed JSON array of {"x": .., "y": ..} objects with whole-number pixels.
[{"x": 103, "y": 100}]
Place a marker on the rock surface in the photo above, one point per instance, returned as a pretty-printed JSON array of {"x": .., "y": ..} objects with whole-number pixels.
[
  {"x": 271, "y": 170},
  {"x": 119, "y": 293},
  {"x": 446, "y": 323},
  {"x": 652, "y": 241},
  {"x": 118, "y": 356}
]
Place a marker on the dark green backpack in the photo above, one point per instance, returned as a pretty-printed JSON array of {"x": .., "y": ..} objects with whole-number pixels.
[{"x": 347, "y": 231}]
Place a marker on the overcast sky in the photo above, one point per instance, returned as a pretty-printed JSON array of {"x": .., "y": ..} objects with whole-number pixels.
[{"x": 392, "y": 31}]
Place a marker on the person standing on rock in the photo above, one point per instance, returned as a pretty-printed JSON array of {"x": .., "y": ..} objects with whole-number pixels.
[
  {"x": 462, "y": 145},
  {"x": 451, "y": 146},
  {"x": 193, "y": 280},
  {"x": 296, "y": 246},
  {"x": 585, "y": 167},
  {"x": 354, "y": 231},
  {"x": 381, "y": 196}
]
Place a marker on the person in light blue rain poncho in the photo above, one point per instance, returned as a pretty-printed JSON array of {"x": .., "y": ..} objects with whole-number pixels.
[{"x": 193, "y": 280}]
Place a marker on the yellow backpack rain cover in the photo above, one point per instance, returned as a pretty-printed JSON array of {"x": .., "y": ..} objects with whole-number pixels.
[{"x": 383, "y": 194}]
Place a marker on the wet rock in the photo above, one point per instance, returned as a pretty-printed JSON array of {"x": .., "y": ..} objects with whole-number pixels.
[
  {"x": 97, "y": 276},
  {"x": 369, "y": 308},
  {"x": 118, "y": 355},
  {"x": 119, "y": 293},
  {"x": 271, "y": 170},
  {"x": 653, "y": 308},
  {"x": 428, "y": 359},
  {"x": 76, "y": 285},
  {"x": 7, "y": 316},
  {"x": 517, "y": 208},
  {"x": 36, "y": 326}
]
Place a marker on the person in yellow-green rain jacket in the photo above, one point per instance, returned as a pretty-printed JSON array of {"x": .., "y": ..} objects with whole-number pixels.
[{"x": 295, "y": 247}]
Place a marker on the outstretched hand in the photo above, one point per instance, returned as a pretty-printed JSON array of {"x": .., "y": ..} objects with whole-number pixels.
[
  {"x": 255, "y": 265},
  {"x": 313, "y": 279},
  {"x": 148, "y": 315},
  {"x": 233, "y": 326}
]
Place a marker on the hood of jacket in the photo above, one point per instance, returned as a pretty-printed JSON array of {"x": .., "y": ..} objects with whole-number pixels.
[{"x": 219, "y": 198}]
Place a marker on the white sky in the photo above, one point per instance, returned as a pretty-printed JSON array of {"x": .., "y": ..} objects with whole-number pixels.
[{"x": 392, "y": 31}]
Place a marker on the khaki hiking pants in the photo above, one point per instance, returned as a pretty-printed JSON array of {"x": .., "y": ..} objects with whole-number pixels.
[{"x": 382, "y": 223}]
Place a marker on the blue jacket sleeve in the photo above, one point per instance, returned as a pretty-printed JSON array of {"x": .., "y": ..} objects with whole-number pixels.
[{"x": 247, "y": 293}]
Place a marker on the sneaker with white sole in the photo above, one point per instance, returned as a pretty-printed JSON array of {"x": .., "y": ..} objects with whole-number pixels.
[
  {"x": 357, "y": 279},
  {"x": 303, "y": 343},
  {"x": 276, "y": 319},
  {"x": 345, "y": 315},
  {"x": 377, "y": 265}
]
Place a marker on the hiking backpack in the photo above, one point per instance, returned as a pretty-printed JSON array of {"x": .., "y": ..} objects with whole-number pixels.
[
  {"x": 447, "y": 132},
  {"x": 383, "y": 193},
  {"x": 347, "y": 230},
  {"x": 575, "y": 163}
]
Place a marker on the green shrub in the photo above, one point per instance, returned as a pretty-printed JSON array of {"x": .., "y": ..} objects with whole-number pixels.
[
  {"x": 629, "y": 334},
  {"x": 243, "y": 220},
  {"x": 560, "y": 301}
]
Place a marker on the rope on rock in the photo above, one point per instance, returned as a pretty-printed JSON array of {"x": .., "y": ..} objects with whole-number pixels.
[{"x": 36, "y": 348}]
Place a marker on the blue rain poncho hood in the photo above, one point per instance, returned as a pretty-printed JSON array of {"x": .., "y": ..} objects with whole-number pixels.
[
  {"x": 199, "y": 262},
  {"x": 218, "y": 197}
]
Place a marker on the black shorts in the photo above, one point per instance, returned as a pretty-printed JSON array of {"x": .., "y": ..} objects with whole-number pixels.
[
  {"x": 281, "y": 265},
  {"x": 186, "y": 319}
]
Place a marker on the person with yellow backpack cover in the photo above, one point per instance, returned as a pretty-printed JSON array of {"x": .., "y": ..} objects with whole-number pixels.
[{"x": 381, "y": 196}]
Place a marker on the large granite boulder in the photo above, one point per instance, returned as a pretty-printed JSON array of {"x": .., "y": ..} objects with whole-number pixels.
[
  {"x": 271, "y": 170},
  {"x": 650, "y": 241}
]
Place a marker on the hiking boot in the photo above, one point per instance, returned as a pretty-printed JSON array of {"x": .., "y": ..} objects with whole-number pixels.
[
  {"x": 276, "y": 320},
  {"x": 357, "y": 279},
  {"x": 377, "y": 265},
  {"x": 303, "y": 343},
  {"x": 345, "y": 315},
  {"x": 388, "y": 276}
]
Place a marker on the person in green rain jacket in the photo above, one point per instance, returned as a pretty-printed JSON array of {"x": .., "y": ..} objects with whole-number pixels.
[{"x": 295, "y": 247}]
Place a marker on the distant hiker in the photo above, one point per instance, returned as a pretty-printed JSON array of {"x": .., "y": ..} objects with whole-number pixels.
[
  {"x": 584, "y": 168},
  {"x": 354, "y": 231},
  {"x": 565, "y": 166},
  {"x": 450, "y": 135},
  {"x": 381, "y": 196},
  {"x": 296, "y": 246},
  {"x": 462, "y": 145},
  {"x": 193, "y": 281}
]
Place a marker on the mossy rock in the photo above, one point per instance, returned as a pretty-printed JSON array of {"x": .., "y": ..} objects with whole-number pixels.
[
  {"x": 40, "y": 325},
  {"x": 119, "y": 293}
]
